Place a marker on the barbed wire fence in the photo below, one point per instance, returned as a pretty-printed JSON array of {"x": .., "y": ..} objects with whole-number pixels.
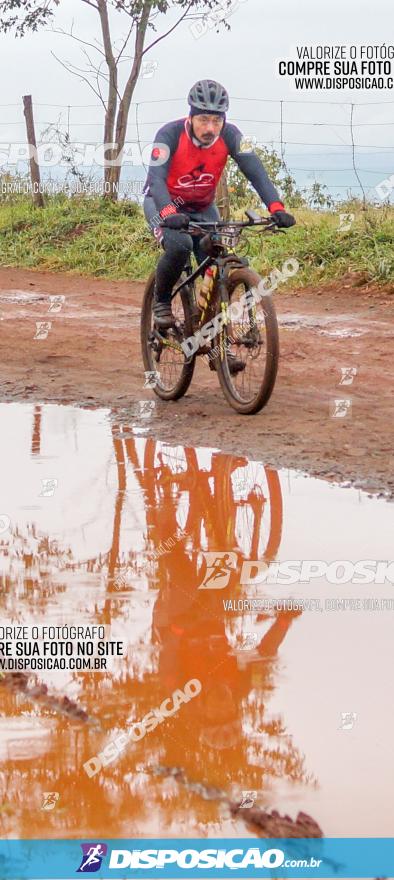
[{"x": 344, "y": 154}]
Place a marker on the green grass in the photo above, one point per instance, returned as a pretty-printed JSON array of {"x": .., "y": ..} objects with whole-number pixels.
[
  {"x": 326, "y": 253},
  {"x": 91, "y": 237},
  {"x": 98, "y": 238}
]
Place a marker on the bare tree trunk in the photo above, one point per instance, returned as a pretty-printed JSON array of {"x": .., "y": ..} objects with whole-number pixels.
[
  {"x": 223, "y": 199},
  {"x": 124, "y": 104},
  {"x": 31, "y": 140},
  {"x": 112, "y": 100}
]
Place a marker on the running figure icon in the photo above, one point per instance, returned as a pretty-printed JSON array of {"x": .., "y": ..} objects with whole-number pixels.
[{"x": 93, "y": 855}]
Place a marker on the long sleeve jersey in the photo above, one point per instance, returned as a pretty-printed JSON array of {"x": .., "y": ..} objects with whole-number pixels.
[{"x": 184, "y": 171}]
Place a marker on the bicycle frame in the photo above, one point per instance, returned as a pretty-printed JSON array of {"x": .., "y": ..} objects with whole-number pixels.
[{"x": 224, "y": 262}]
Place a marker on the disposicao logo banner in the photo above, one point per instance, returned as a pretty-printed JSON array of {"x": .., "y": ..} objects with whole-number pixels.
[{"x": 172, "y": 859}]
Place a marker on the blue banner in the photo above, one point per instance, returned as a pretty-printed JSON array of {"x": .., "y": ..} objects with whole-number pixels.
[{"x": 181, "y": 858}]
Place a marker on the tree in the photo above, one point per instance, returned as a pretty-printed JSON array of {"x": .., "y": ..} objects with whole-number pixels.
[
  {"x": 242, "y": 192},
  {"x": 21, "y": 16},
  {"x": 318, "y": 196}
]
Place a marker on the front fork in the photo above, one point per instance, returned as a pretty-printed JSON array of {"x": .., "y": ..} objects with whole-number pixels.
[{"x": 228, "y": 265}]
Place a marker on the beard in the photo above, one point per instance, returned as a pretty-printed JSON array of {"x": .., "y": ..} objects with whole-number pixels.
[{"x": 205, "y": 138}]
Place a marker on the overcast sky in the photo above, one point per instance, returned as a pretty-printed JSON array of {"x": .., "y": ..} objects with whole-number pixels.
[{"x": 244, "y": 59}]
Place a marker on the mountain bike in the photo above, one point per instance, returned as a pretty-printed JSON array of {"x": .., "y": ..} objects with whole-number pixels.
[{"x": 232, "y": 324}]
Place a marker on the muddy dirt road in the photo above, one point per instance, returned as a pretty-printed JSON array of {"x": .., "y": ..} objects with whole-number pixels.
[
  {"x": 91, "y": 357},
  {"x": 110, "y": 518}
]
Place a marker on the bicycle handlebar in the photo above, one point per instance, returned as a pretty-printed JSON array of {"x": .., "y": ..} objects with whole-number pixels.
[{"x": 268, "y": 222}]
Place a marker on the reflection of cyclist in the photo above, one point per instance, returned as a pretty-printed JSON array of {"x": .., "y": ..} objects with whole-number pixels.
[
  {"x": 190, "y": 628},
  {"x": 185, "y": 167},
  {"x": 191, "y": 632}
]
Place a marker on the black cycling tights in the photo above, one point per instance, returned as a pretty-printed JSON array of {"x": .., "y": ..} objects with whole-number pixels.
[{"x": 177, "y": 247}]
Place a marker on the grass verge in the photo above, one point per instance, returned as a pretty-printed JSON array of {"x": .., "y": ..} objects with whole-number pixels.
[{"x": 98, "y": 238}]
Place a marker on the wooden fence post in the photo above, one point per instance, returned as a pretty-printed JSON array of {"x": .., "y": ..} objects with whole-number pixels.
[
  {"x": 223, "y": 199},
  {"x": 38, "y": 199}
]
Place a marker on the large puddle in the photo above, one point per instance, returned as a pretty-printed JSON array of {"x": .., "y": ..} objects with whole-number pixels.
[{"x": 101, "y": 525}]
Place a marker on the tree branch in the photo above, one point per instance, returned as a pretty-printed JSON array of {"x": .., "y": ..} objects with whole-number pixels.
[
  {"x": 170, "y": 30},
  {"x": 69, "y": 69},
  {"x": 99, "y": 90},
  {"x": 125, "y": 43},
  {"x": 77, "y": 39}
]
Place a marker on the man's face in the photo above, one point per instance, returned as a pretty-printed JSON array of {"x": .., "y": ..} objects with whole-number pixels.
[{"x": 206, "y": 126}]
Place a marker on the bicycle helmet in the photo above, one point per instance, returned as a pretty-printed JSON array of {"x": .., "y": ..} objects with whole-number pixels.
[{"x": 208, "y": 96}]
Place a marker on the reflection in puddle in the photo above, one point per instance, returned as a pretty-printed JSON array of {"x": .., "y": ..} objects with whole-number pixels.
[{"x": 103, "y": 526}]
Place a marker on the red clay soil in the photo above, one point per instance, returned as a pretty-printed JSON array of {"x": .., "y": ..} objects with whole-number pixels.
[{"x": 92, "y": 358}]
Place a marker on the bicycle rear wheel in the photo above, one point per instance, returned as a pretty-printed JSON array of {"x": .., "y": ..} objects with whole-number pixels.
[
  {"x": 251, "y": 335},
  {"x": 162, "y": 355}
]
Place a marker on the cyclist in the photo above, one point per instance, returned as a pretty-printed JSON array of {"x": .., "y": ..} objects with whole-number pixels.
[{"x": 186, "y": 163}]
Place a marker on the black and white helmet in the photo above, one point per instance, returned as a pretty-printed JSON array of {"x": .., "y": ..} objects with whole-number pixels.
[{"x": 208, "y": 96}]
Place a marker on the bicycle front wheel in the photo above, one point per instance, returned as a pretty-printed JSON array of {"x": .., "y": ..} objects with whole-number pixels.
[
  {"x": 171, "y": 371},
  {"x": 249, "y": 340}
]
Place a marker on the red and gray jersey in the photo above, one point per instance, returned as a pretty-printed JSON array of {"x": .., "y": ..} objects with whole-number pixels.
[{"x": 188, "y": 174}]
